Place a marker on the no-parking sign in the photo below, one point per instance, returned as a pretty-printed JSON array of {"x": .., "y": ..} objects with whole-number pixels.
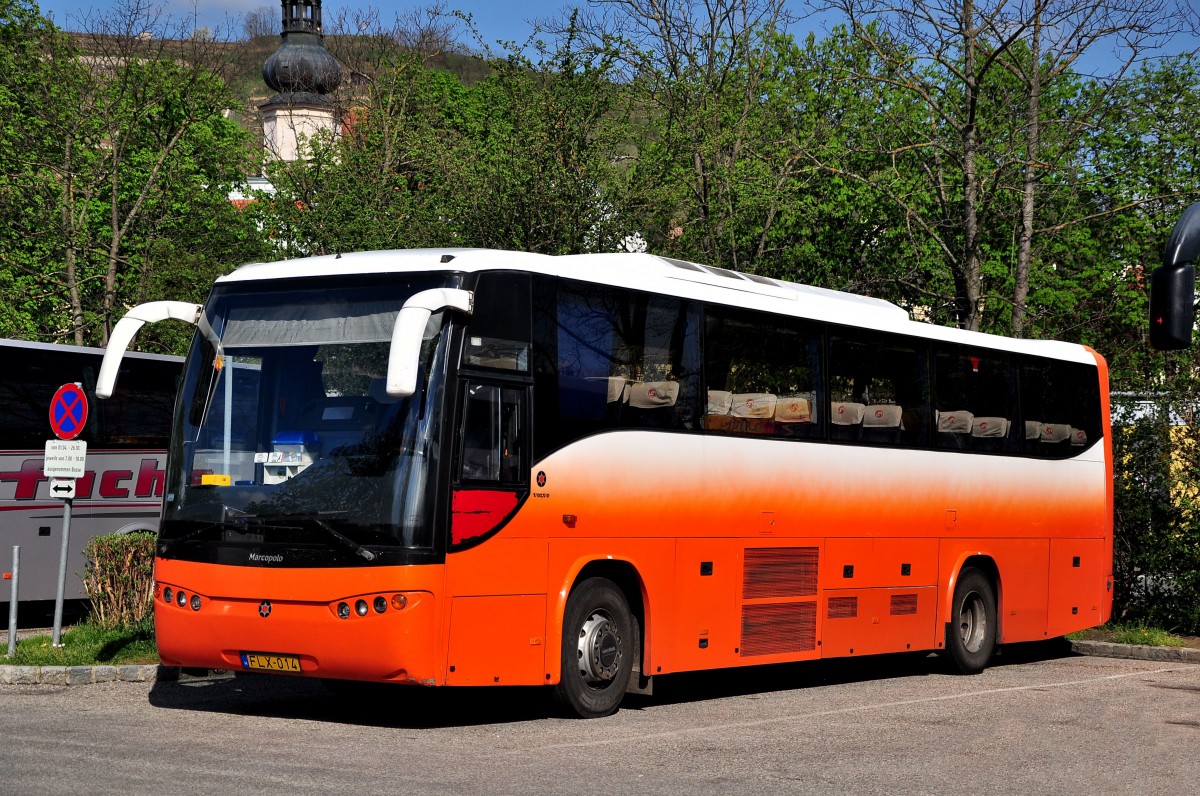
[{"x": 68, "y": 411}]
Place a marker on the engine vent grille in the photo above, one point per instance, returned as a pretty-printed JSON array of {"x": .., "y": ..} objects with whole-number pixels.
[
  {"x": 779, "y": 572},
  {"x": 843, "y": 608},
  {"x": 904, "y": 604},
  {"x": 779, "y": 628}
]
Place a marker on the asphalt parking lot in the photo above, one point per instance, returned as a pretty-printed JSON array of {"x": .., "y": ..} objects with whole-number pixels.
[{"x": 1043, "y": 721}]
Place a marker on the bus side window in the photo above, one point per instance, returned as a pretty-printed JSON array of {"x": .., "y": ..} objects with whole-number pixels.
[
  {"x": 885, "y": 375},
  {"x": 975, "y": 398},
  {"x": 493, "y": 428},
  {"x": 1060, "y": 402},
  {"x": 763, "y": 375},
  {"x": 606, "y": 359}
]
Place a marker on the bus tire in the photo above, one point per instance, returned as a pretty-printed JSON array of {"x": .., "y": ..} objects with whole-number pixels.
[
  {"x": 597, "y": 649},
  {"x": 971, "y": 634}
]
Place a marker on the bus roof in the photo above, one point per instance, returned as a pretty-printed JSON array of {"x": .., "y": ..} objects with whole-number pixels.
[
  {"x": 658, "y": 274},
  {"x": 76, "y": 349}
]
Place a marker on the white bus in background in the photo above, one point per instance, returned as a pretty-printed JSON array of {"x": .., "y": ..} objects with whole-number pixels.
[{"x": 126, "y": 438}]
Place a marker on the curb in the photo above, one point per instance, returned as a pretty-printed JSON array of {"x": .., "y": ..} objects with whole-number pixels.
[
  {"x": 1139, "y": 652},
  {"x": 86, "y": 675}
]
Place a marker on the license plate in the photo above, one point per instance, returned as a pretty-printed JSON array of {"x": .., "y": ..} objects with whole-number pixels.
[{"x": 270, "y": 662}]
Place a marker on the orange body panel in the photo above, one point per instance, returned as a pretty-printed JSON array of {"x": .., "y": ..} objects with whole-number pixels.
[
  {"x": 497, "y": 640},
  {"x": 708, "y": 579},
  {"x": 1077, "y": 583},
  {"x": 871, "y": 621},
  {"x": 397, "y": 645}
]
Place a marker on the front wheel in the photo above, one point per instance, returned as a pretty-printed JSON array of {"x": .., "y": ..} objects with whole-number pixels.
[
  {"x": 971, "y": 637},
  {"x": 597, "y": 649}
]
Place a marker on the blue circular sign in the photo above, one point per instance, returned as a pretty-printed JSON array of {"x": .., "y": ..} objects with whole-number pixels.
[{"x": 68, "y": 411}]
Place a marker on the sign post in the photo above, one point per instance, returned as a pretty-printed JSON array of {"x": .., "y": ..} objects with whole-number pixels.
[
  {"x": 15, "y": 577},
  {"x": 65, "y": 459}
]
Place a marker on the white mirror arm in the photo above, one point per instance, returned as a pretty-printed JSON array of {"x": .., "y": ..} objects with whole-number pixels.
[
  {"x": 405, "y": 354},
  {"x": 123, "y": 333}
]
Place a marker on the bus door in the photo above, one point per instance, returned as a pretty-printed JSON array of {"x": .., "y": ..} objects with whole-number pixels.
[{"x": 496, "y": 585}]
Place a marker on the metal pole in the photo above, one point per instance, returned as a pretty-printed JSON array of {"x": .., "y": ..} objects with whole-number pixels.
[
  {"x": 12, "y": 600},
  {"x": 62, "y": 574}
]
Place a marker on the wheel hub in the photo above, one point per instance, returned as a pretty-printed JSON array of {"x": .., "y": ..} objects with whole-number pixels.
[
  {"x": 599, "y": 648},
  {"x": 972, "y": 622}
]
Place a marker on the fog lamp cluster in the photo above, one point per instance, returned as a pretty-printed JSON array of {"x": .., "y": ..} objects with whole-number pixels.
[
  {"x": 362, "y": 606},
  {"x": 180, "y": 598}
]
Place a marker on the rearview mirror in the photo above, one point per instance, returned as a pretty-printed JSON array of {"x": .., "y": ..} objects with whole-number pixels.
[
  {"x": 404, "y": 358},
  {"x": 1173, "y": 285}
]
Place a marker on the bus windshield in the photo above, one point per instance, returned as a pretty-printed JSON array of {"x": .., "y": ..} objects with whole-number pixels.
[{"x": 287, "y": 449}]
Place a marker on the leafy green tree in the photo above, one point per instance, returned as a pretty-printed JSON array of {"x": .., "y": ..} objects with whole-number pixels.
[
  {"x": 524, "y": 158},
  {"x": 698, "y": 75},
  {"x": 957, "y": 58},
  {"x": 121, "y": 140},
  {"x": 1143, "y": 168},
  {"x": 540, "y": 158},
  {"x": 37, "y": 69}
]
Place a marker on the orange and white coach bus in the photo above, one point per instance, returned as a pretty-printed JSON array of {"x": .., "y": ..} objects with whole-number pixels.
[{"x": 469, "y": 467}]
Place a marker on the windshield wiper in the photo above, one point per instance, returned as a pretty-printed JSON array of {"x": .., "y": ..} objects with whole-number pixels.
[
  {"x": 230, "y": 525},
  {"x": 332, "y": 532},
  {"x": 345, "y": 540}
]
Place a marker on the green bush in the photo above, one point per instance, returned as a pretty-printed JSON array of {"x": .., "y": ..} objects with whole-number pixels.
[
  {"x": 119, "y": 579},
  {"x": 1156, "y": 555}
]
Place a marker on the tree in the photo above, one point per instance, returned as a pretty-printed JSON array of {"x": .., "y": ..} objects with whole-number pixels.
[
  {"x": 697, "y": 72},
  {"x": 946, "y": 53},
  {"x": 1143, "y": 163},
  {"x": 541, "y": 158},
  {"x": 33, "y": 54},
  {"x": 261, "y": 22},
  {"x": 525, "y": 157},
  {"x": 120, "y": 138}
]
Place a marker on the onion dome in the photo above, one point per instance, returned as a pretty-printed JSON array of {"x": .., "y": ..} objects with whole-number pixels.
[{"x": 301, "y": 70}]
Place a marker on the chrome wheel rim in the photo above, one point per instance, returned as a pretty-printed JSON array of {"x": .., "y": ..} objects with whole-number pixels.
[
  {"x": 600, "y": 649},
  {"x": 972, "y": 622}
]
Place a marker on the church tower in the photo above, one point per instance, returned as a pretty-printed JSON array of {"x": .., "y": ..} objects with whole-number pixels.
[{"x": 302, "y": 72}]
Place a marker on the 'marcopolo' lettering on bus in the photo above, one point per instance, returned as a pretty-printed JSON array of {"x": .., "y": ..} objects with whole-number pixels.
[{"x": 115, "y": 483}]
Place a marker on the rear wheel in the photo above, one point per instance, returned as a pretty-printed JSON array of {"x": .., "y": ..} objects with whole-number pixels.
[
  {"x": 972, "y": 633},
  {"x": 597, "y": 649}
]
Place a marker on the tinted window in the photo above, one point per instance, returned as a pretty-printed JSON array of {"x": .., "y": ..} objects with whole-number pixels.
[
  {"x": 609, "y": 358},
  {"x": 498, "y": 333},
  {"x": 137, "y": 416},
  {"x": 762, "y": 374},
  {"x": 877, "y": 388},
  {"x": 1060, "y": 402},
  {"x": 975, "y": 399},
  {"x": 492, "y": 435}
]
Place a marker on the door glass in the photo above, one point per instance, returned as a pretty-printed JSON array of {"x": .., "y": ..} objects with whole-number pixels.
[{"x": 491, "y": 440}]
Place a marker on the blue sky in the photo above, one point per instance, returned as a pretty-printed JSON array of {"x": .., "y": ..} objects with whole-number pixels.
[{"x": 494, "y": 19}]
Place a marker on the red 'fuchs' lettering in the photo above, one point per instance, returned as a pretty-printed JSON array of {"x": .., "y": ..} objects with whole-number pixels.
[
  {"x": 110, "y": 483},
  {"x": 149, "y": 482},
  {"x": 150, "y": 479},
  {"x": 27, "y": 478}
]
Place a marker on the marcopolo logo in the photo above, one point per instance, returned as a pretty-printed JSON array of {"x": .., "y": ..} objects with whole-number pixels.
[{"x": 259, "y": 558}]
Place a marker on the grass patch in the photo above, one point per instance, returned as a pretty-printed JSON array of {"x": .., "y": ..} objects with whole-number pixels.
[
  {"x": 87, "y": 645},
  {"x": 1141, "y": 634},
  {"x": 1131, "y": 633}
]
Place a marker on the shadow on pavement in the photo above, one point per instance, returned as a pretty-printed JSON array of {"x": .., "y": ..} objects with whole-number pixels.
[{"x": 415, "y": 707}]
